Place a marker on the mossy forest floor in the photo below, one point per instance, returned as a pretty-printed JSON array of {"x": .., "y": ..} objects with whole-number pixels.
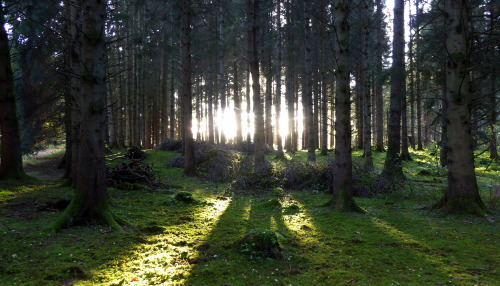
[{"x": 195, "y": 243}]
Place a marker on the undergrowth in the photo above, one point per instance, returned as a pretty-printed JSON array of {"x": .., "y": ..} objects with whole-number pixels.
[{"x": 190, "y": 232}]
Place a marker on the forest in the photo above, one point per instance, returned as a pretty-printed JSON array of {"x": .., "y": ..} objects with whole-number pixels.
[{"x": 249, "y": 142}]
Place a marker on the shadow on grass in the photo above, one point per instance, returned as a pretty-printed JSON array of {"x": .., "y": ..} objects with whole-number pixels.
[
  {"x": 220, "y": 261},
  {"x": 384, "y": 249},
  {"x": 153, "y": 251}
]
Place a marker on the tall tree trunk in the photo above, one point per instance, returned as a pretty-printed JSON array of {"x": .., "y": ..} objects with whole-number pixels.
[
  {"x": 307, "y": 96},
  {"x": 91, "y": 199},
  {"x": 269, "y": 137},
  {"x": 411, "y": 77},
  {"x": 418, "y": 89},
  {"x": 365, "y": 82},
  {"x": 392, "y": 166},
  {"x": 289, "y": 84},
  {"x": 222, "y": 72},
  {"x": 462, "y": 194},
  {"x": 11, "y": 166},
  {"x": 378, "y": 86},
  {"x": 253, "y": 50},
  {"x": 187, "y": 104},
  {"x": 277, "y": 100},
  {"x": 342, "y": 183},
  {"x": 494, "y": 26}
]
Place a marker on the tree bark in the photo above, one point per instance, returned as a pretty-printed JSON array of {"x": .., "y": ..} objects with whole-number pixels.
[
  {"x": 11, "y": 158},
  {"x": 378, "y": 86},
  {"x": 365, "y": 82},
  {"x": 462, "y": 194},
  {"x": 342, "y": 182},
  {"x": 392, "y": 166},
  {"x": 187, "y": 104},
  {"x": 91, "y": 199},
  {"x": 277, "y": 100},
  {"x": 253, "y": 50},
  {"x": 307, "y": 96},
  {"x": 237, "y": 104}
]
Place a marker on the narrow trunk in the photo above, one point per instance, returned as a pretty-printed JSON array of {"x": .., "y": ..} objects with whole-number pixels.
[
  {"x": 378, "y": 86},
  {"x": 307, "y": 96},
  {"x": 237, "y": 104},
  {"x": 280, "y": 153},
  {"x": 187, "y": 105},
  {"x": 253, "y": 50},
  {"x": 392, "y": 166},
  {"x": 365, "y": 78}
]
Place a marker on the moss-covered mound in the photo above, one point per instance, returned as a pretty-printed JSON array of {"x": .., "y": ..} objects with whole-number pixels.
[{"x": 261, "y": 243}]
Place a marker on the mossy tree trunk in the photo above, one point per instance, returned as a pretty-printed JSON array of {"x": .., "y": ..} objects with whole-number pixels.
[
  {"x": 462, "y": 194},
  {"x": 11, "y": 166},
  {"x": 91, "y": 200},
  {"x": 342, "y": 183}
]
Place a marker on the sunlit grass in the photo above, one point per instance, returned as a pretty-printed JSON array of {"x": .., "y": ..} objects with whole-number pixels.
[{"x": 173, "y": 243}]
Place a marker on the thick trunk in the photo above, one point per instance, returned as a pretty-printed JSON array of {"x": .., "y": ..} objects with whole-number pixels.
[
  {"x": 91, "y": 199},
  {"x": 462, "y": 194},
  {"x": 11, "y": 161},
  {"x": 187, "y": 105},
  {"x": 392, "y": 166},
  {"x": 342, "y": 182}
]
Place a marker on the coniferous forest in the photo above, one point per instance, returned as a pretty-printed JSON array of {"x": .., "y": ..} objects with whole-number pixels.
[{"x": 249, "y": 142}]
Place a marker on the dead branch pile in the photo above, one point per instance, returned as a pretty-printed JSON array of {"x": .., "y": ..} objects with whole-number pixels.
[{"x": 130, "y": 174}]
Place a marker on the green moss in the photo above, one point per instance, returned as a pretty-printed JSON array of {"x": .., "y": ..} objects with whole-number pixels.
[
  {"x": 198, "y": 244},
  {"x": 260, "y": 243}
]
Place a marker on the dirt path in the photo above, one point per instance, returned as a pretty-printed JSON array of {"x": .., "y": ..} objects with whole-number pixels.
[{"x": 44, "y": 164}]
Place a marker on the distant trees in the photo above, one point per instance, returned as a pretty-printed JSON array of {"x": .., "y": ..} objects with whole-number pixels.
[{"x": 243, "y": 72}]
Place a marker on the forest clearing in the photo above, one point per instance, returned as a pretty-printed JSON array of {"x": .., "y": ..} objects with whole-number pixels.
[{"x": 171, "y": 242}]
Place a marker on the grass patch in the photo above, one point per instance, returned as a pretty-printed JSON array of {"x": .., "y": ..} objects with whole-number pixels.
[{"x": 199, "y": 243}]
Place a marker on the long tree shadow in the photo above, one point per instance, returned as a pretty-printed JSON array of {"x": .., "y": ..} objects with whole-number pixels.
[
  {"x": 370, "y": 250},
  {"x": 153, "y": 251},
  {"x": 220, "y": 260}
]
